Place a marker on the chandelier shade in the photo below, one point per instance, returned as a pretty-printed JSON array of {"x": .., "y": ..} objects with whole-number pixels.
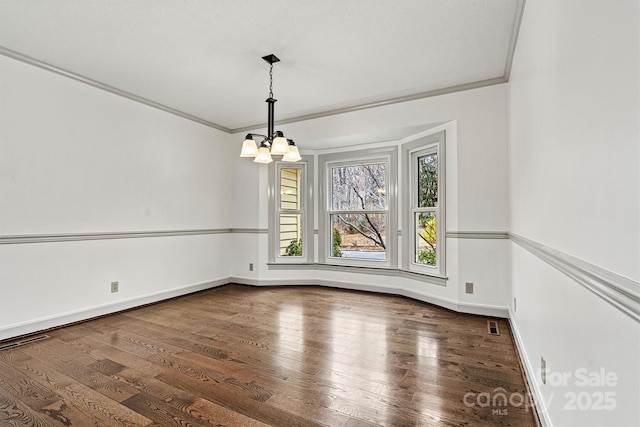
[
  {"x": 274, "y": 142},
  {"x": 249, "y": 147},
  {"x": 263, "y": 156},
  {"x": 280, "y": 144},
  {"x": 293, "y": 155}
]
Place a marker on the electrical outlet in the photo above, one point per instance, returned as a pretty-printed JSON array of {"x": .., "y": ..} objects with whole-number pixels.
[
  {"x": 469, "y": 287},
  {"x": 114, "y": 287},
  {"x": 250, "y": 266},
  {"x": 543, "y": 370},
  {"x": 515, "y": 304}
]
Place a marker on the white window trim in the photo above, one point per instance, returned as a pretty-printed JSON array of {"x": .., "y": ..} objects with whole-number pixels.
[
  {"x": 387, "y": 155},
  {"x": 434, "y": 143},
  {"x": 305, "y": 211}
]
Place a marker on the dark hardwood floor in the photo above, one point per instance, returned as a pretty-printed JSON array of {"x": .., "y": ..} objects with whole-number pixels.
[{"x": 284, "y": 356}]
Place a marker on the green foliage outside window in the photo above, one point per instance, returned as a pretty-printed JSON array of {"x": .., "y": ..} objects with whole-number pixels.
[
  {"x": 427, "y": 255},
  {"x": 428, "y": 181},
  {"x": 294, "y": 248},
  {"x": 337, "y": 242}
]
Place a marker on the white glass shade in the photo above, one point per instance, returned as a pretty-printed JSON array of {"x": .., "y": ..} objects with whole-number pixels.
[
  {"x": 263, "y": 156},
  {"x": 293, "y": 155},
  {"x": 249, "y": 148},
  {"x": 280, "y": 146}
]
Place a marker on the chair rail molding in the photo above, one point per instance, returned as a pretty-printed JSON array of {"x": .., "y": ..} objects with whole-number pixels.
[
  {"x": 619, "y": 291},
  {"x": 74, "y": 237}
]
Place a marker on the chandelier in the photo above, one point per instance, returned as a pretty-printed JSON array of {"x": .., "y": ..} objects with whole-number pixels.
[{"x": 274, "y": 142}]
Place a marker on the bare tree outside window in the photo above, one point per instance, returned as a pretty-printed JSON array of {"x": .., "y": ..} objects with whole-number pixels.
[{"x": 359, "y": 211}]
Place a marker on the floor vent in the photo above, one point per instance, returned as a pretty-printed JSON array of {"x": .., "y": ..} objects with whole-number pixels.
[
  {"x": 492, "y": 327},
  {"x": 23, "y": 342}
]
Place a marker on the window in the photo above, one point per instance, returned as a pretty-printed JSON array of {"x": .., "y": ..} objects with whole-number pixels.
[
  {"x": 425, "y": 207},
  {"x": 424, "y": 161},
  {"x": 358, "y": 214},
  {"x": 290, "y": 230},
  {"x": 290, "y": 212},
  {"x": 359, "y": 227}
]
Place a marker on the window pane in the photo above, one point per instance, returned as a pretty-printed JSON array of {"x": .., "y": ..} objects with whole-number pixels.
[
  {"x": 359, "y": 236},
  {"x": 360, "y": 187},
  {"x": 425, "y": 228},
  {"x": 290, "y": 235},
  {"x": 428, "y": 181},
  {"x": 290, "y": 189}
]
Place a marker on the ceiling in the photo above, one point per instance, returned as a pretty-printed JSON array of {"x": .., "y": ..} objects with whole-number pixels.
[{"x": 202, "y": 58}]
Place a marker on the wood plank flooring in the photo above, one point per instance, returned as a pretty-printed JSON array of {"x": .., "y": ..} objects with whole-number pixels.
[{"x": 282, "y": 356}]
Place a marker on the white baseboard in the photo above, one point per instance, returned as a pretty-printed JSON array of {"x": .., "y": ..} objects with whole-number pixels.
[
  {"x": 45, "y": 323},
  {"x": 484, "y": 310},
  {"x": 531, "y": 374}
]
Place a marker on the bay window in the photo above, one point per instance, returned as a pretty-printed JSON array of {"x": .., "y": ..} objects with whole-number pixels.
[{"x": 358, "y": 214}]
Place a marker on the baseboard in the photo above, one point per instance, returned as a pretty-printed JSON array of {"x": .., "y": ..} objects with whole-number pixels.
[
  {"x": 42, "y": 324},
  {"x": 46, "y": 323},
  {"x": 530, "y": 373},
  {"x": 480, "y": 309}
]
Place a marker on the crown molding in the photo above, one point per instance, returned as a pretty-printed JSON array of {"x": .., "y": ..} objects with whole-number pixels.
[
  {"x": 381, "y": 103},
  {"x": 332, "y": 112},
  {"x": 82, "y": 79},
  {"x": 515, "y": 32}
]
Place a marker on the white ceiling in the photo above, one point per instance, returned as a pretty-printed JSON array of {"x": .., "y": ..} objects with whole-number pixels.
[{"x": 203, "y": 57}]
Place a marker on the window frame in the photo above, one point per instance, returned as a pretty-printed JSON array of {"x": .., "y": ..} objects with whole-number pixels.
[
  {"x": 430, "y": 144},
  {"x": 386, "y": 155},
  {"x": 305, "y": 211}
]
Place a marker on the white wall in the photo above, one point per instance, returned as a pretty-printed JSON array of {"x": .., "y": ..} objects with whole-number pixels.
[
  {"x": 477, "y": 190},
  {"x": 75, "y": 159},
  {"x": 553, "y": 156},
  {"x": 575, "y": 188}
]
